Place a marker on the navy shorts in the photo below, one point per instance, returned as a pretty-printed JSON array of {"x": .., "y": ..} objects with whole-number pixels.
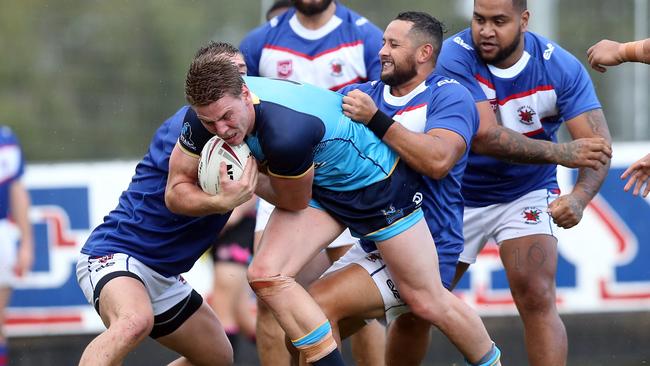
[{"x": 379, "y": 211}]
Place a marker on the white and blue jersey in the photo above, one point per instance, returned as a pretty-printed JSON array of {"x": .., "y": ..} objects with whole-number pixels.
[
  {"x": 141, "y": 225},
  {"x": 341, "y": 52},
  {"x": 437, "y": 103},
  {"x": 12, "y": 167},
  {"x": 545, "y": 88}
]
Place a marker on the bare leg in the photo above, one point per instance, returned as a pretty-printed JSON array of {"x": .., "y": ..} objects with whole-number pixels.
[
  {"x": 531, "y": 264},
  {"x": 210, "y": 348},
  {"x": 413, "y": 262},
  {"x": 126, "y": 310},
  {"x": 408, "y": 340}
]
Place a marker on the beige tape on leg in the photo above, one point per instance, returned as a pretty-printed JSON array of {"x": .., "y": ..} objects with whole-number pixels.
[{"x": 316, "y": 351}]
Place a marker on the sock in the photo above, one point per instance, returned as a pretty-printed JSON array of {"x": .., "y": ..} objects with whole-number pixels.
[
  {"x": 492, "y": 358},
  {"x": 332, "y": 359},
  {"x": 4, "y": 360}
]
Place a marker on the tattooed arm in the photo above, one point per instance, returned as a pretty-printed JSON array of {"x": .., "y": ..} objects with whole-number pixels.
[
  {"x": 567, "y": 210},
  {"x": 503, "y": 143}
]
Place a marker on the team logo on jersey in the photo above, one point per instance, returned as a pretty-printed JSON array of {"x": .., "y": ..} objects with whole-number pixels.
[
  {"x": 285, "y": 68},
  {"x": 186, "y": 135},
  {"x": 532, "y": 215},
  {"x": 417, "y": 199},
  {"x": 336, "y": 67},
  {"x": 526, "y": 114},
  {"x": 548, "y": 51}
]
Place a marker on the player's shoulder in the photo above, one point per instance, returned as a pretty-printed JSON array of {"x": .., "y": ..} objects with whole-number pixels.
[
  {"x": 266, "y": 30},
  {"x": 459, "y": 44},
  {"x": 547, "y": 51},
  {"x": 442, "y": 85},
  {"x": 368, "y": 87}
]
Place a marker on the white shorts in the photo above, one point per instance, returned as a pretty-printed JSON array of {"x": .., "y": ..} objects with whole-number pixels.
[
  {"x": 374, "y": 265},
  {"x": 93, "y": 273},
  {"x": 8, "y": 239},
  {"x": 264, "y": 210},
  {"x": 527, "y": 215}
]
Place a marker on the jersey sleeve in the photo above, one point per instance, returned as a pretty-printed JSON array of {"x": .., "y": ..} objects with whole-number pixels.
[
  {"x": 11, "y": 156},
  {"x": 576, "y": 93},
  {"x": 458, "y": 63},
  {"x": 372, "y": 43},
  {"x": 288, "y": 139},
  {"x": 193, "y": 134},
  {"x": 251, "y": 47},
  {"x": 453, "y": 109}
]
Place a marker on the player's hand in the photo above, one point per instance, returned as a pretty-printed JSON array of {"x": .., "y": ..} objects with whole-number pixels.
[
  {"x": 24, "y": 260},
  {"x": 359, "y": 106},
  {"x": 566, "y": 211},
  {"x": 234, "y": 193},
  {"x": 591, "y": 152},
  {"x": 604, "y": 53},
  {"x": 639, "y": 174}
]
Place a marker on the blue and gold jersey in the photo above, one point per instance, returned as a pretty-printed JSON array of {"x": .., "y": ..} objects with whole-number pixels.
[{"x": 300, "y": 125}]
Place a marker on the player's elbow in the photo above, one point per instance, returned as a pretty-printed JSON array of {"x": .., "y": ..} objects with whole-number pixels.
[
  {"x": 437, "y": 169},
  {"x": 172, "y": 202}
]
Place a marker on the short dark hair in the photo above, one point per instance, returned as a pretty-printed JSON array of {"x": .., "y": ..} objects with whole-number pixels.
[
  {"x": 425, "y": 26},
  {"x": 211, "y": 76},
  {"x": 279, "y": 4},
  {"x": 217, "y": 49}
]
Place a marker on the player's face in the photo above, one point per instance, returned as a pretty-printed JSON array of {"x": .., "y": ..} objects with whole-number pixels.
[
  {"x": 230, "y": 117},
  {"x": 311, "y": 7},
  {"x": 497, "y": 29},
  {"x": 397, "y": 55}
]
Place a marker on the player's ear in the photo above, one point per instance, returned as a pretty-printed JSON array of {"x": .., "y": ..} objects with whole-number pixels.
[
  {"x": 524, "y": 20},
  {"x": 245, "y": 92}
]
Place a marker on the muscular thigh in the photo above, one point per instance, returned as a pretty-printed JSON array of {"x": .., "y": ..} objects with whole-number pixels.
[
  {"x": 530, "y": 258},
  {"x": 291, "y": 238}
]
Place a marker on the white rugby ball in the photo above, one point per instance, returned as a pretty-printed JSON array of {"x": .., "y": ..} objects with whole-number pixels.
[{"x": 214, "y": 152}]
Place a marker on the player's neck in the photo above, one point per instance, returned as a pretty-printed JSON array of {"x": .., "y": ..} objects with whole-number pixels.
[
  {"x": 317, "y": 20},
  {"x": 407, "y": 87}
]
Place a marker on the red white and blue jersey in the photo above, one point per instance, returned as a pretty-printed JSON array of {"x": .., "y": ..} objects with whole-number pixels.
[
  {"x": 545, "y": 88},
  {"x": 12, "y": 167},
  {"x": 437, "y": 103},
  {"x": 142, "y": 226},
  {"x": 341, "y": 52}
]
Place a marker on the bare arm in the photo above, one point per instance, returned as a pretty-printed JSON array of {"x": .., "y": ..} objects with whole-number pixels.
[
  {"x": 567, "y": 210},
  {"x": 503, "y": 143},
  {"x": 183, "y": 195},
  {"x": 612, "y": 53},
  {"x": 432, "y": 154},
  {"x": 288, "y": 193},
  {"x": 19, "y": 209}
]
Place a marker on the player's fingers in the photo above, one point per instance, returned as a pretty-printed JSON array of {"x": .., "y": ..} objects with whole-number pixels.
[
  {"x": 647, "y": 189},
  {"x": 630, "y": 183},
  {"x": 629, "y": 171}
]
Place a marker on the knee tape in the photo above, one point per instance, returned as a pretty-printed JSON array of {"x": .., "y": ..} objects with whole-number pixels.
[
  {"x": 271, "y": 285},
  {"x": 316, "y": 344}
]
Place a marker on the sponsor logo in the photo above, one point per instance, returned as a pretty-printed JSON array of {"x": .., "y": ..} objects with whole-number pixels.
[
  {"x": 446, "y": 81},
  {"x": 532, "y": 215},
  {"x": 526, "y": 114},
  {"x": 417, "y": 199},
  {"x": 462, "y": 43},
  {"x": 285, "y": 68},
  {"x": 336, "y": 67},
  {"x": 548, "y": 51},
  {"x": 392, "y": 214},
  {"x": 319, "y": 164},
  {"x": 393, "y": 288},
  {"x": 186, "y": 135}
]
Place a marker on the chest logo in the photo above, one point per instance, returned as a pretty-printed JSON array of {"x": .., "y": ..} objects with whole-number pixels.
[
  {"x": 285, "y": 68},
  {"x": 526, "y": 114},
  {"x": 336, "y": 67}
]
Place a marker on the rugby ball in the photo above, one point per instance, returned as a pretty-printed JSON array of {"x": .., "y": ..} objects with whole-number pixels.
[{"x": 213, "y": 154}]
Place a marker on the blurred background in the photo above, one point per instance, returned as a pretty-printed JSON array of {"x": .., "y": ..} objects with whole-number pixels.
[{"x": 85, "y": 83}]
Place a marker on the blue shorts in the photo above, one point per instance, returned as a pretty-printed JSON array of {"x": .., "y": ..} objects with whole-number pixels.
[{"x": 379, "y": 211}]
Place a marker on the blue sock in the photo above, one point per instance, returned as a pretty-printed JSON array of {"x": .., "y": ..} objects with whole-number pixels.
[
  {"x": 490, "y": 359},
  {"x": 332, "y": 359},
  {"x": 4, "y": 360}
]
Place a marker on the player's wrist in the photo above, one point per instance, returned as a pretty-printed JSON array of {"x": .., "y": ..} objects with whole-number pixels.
[{"x": 380, "y": 123}]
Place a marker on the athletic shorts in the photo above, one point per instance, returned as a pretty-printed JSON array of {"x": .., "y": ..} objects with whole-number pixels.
[
  {"x": 235, "y": 245},
  {"x": 264, "y": 210},
  {"x": 379, "y": 211},
  {"x": 374, "y": 265},
  {"x": 527, "y": 215},
  {"x": 173, "y": 300},
  {"x": 8, "y": 240}
]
